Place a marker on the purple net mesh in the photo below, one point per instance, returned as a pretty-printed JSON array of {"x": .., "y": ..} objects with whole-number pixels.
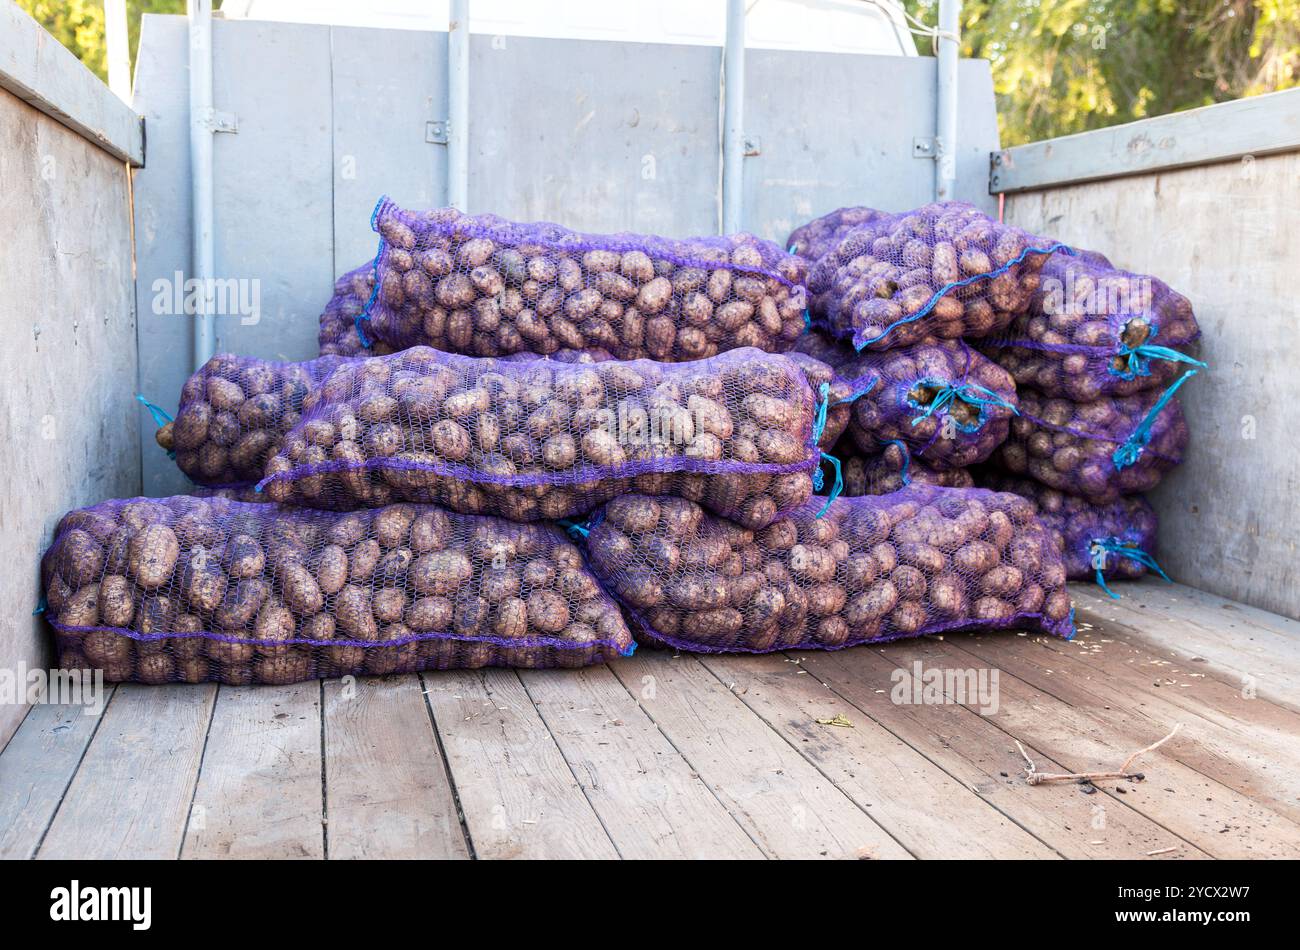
[
  {"x": 542, "y": 439},
  {"x": 811, "y": 241},
  {"x": 889, "y": 468},
  {"x": 944, "y": 270},
  {"x": 193, "y": 590},
  {"x": 484, "y": 286},
  {"x": 234, "y": 413},
  {"x": 949, "y": 404},
  {"x": 1117, "y": 445},
  {"x": 1091, "y": 537},
  {"x": 867, "y": 569},
  {"x": 338, "y": 334},
  {"x": 1093, "y": 330}
]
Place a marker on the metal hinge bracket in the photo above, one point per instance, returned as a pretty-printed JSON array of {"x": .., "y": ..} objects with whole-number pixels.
[
  {"x": 436, "y": 131},
  {"x": 215, "y": 121}
]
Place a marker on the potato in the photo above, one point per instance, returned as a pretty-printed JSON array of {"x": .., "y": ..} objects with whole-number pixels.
[
  {"x": 536, "y": 439},
  {"x": 886, "y": 282},
  {"x": 919, "y": 560},
  {"x": 249, "y": 583}
]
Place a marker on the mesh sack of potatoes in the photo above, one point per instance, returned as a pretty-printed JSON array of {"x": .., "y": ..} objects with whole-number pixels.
[
  {"x": 234, "y": 412},
  {"x": 1112, "y": 541},
  {"x": 857, "y": 570},
  {"x": 944, "y": 270},
  {"x": 338, "y": 335},
  {"x": 812, "y": 240},
  {"x": 197, "y": 589},
  {"x": 951, "y": 405},
  {"x": 889, "y": 468},
  {"x": 1093, "y": 330},
  {"x": 543, "y": 439},
  {"x": 485, "y": 286},
  {"x": 1116, "y": 445}
]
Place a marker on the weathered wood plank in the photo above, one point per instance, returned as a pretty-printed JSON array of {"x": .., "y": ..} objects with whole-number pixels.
[
  {"x": 387, "y": 792},
  {"x": 789, "y": 808},
  {"x": 978, "y": 754},
  {"x": 131, "y": 795},
  {"x": 518, "y": 796},
  {"x": 259, "y": 791},
  {"x": 36, "y": 767},
  {"x": 1248, "y": 646},
  {"x": 650, "y": 800},
  {"x": 1243, "y": 755},
  {"x": 1199, "y": 809},
  {"x": 1256, "y": 125},
  {"x": 923, "y": 808}
]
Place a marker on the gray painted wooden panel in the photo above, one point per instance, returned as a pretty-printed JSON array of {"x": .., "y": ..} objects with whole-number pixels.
[
  {"x": 379, "y": 130},
  {"x": 162, "y": 233},
  {"x": 68, "y": 361},
  {"x": 836, "y": 130},
  {"x": 1258, "y": 125},
  {"x": 41, "y": 71},
  {"x": 597, "y": 136},
  {"x": 1217, "y": 233}
]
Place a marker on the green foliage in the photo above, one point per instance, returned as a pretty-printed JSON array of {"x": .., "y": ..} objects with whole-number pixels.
[
  {"x": 1065, "y": 66},
  {"x": 79, "y": 25}
]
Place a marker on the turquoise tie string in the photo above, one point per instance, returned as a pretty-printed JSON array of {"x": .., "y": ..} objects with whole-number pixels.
[
  {"x": 1116, "y": 546},
  {"x": 964, "y": 392},
  {"x": 907, "y": 460},
  {"x": 836, "y": 488},
  {"x": 1139, "y": 358},
  {"x": 1131, "y": 450},
  {"x": 819, "y": 420},
  {"x": 576, "y": 531},
  {"x": 160, "y": 417}
]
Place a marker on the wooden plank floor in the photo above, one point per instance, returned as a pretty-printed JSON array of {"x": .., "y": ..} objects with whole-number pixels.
[{"x": 805, "y": 755}]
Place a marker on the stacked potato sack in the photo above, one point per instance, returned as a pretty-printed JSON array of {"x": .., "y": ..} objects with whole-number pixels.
[
  {"x": 485, "y": 286},
  {"x": 853, "y": 570},
  {"x": 1098, "y": 357},
  {"x": 209, "y": 589},
  {"x": 1098, "y": 542}
]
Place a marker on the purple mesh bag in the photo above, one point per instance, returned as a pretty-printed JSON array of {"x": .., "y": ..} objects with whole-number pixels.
[
  {"x": 541, "y": 439},
  {"x": 1118, "y": 445},
  {"x": 1114, "y": 541},
  {"x": 950, "y": 405},
  {"x": 944, "y": 270},
  {"x": 811, "y": 241},
  {"x": 863, "y": 570},
  {"x": 338, "y": 334},
  {"x": 234, "y": 413},
  {"x": 890, "y": 468},
  {"x": 1093, "y": 330},
  {"x": 485, "y": 286},
  {"x": 194, "y": 590}
]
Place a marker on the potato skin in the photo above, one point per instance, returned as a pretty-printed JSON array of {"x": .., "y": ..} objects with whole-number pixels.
[
  {"x": 919, "y": 560},
  {"x": 209, "y": 588},
  {"x": 543, "y": 439}
]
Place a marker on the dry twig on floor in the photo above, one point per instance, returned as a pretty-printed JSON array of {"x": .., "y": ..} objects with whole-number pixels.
[{"x": 1035, "y": 777}]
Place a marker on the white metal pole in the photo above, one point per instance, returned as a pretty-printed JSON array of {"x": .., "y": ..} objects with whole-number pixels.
[
  {"x": 945, "y": 133},
  {"x": 201, "y": 191},
  {"x": 733, "y": 118},
  {"x": 118, "y": 49},
  {"x": 458, "y": 105}
]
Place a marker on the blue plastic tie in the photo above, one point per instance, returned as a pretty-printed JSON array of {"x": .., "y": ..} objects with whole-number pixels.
[
  {"x": 1140, "y": 357},
  {"x": 1131, "y": 450},
  {"x": 576, "y": 531},
  {"x": 954, "y": 285},
  {"x": 160, "y": 417},
  {"x": 1123, "y": 549},
  {"x": 819, "y": 421},
  {"x": 907, "y": 459},
  {"x": 374, "y": 291},
  {"x": 836, "y": 488},
  {"x": 861, "y": 391},
  {"x": 40, "y": 607},
  {"x": 964, "y": 392}
]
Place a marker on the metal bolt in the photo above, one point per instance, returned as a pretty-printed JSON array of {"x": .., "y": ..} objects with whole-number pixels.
[{"x": 36, "y": 331}]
